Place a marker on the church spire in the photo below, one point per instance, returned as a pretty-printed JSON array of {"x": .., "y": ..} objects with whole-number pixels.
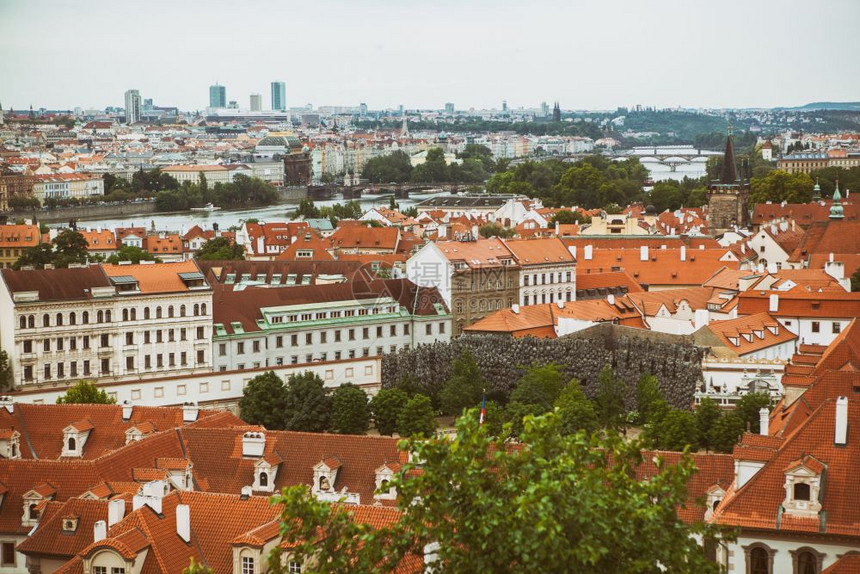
[
  {"x": 729, "y": 173},
  {"x": 404, "y": 129},
  {"x": 836, "y": 211},
  {"x": 816, "y": 191}
]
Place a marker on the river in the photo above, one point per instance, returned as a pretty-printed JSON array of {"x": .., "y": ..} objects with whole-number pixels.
[{"x": 183, "y": 221}]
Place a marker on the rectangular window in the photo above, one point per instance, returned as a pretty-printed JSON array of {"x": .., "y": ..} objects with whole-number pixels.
[
  {"x": 294, "y": 360},
  {"x": 28, "y": 346},
  {"x": 379, "y": 331},
  {"x": 59, "y": 344},
  {"x": 337, "y": 336},
  {"x": 104, "y": 341},
  {"x": 129, "y": 338},
  {"x": 365, "y": 352},
  {"x": 99, "y": 569},
  {"x": 837, "y": 327},
  {"x": 201, "y": 358},
  {"x": 406, "y": 329},
  {"x": 379, "y": 350},
  {"x": 8, "y": 554},
  {"x": 309, "y": 339},
  {"x": 441, "y": 328},
  {"x": 323, "y": 337},
  {"x": 279, "y": 341},
  {"x": 392, "y": 330},
  {"x": 129, "y": 363},
  {"x": 256, "y": 346},
  {"x": 73, "y": 369},
  {"x": 365, "y": 333},
  {"x": 352, "y": 334},
  {"x": 337, "y": 355},
  {"x": 183, "y": 335},
  {"x": 222, "y": 349},
  {"x": 116, "y": 570},
  {"x": 46, "y": 345},
  {"x": 47, "y": 370},
  {"x": 171, "y": 359},
  {"x": 183, "y": 358},
  {"x": 309, "y": 358},
  {"x": 28, "y": 373},
  {"x": 294, "y": 568},
  {"x": 146, "y": 338},
  {"x": 159, "y": 360},
  {"x": 73, "y": 343},
  {"x": 170, "y": 338},
  {"x": 61, "y": 370},
  {"x": 86, "y": 342},
  {"x": 428, "y": 329},
  {"x": 86, "y": 368},
  {"x": 105, "y": 370},
  {"x": 240, "y": 348},
  {"x": 158, "y": 337},
  {"x": 147, "y": 362},
  {"x": 201, "y": 332},
  {"x": 294, "y": 340},
  {"x": 248, "y": 565},
  {"x": 816, "y": 326}
]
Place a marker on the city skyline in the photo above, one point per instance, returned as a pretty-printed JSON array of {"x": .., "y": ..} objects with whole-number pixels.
[{"x": 663, "y": 54}]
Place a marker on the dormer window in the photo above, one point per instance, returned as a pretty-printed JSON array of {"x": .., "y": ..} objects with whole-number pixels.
[
  {"x": 72, "y": 444},
  {"x": 10, "y": 444},
  {"x": 384, "y": 474},
  {"x": 803, "y": 480},
  {"x": 74, "y": 437},
  {"x": 264, "y": 479},
  {"x": 70, "y": 524},
  {"x": 265, "y": 472}
]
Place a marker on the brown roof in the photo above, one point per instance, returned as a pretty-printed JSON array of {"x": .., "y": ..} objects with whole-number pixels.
[
  {"x": 548, "y": 251},
  {"x": 50, "y": 538},
  {"x": 751, "y": 333},
  {"x": 155, "y": 277},
  {"x": 57, "y": 284},
  {"x": 476, "y": 254}
]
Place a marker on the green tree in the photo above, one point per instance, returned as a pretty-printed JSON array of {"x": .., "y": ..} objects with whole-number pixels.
[
  {"x": 495, "y": 230},
  {"x": 69, "y": 246},
  {"x": 306, "y": 404},
  {"x": 726, "y": 431},
  {"x": 465, "y": 387},
  {"x": 349, "y": 410},
  {"x": 647, "y": 395},
  {"x": 6, "y": 380},
  {"x": 481, "y": 153},
  {"x": 575, "y": 410},
  {"x": 677, "y": 430},
  {"x": 85, "y": 392},
  {"x": 392, "y": 168},
  {"x": 566, "y": 503},
  {"x": 540, "y": 385},
  {"x": 855, "y": 281},
  {"x": 263, "y": 401},
  {"x": 220, "y": 249},
  {"x": 748, "y": 409},
  {"x": 779, "y": 186},
  {"x": 434, "y": 169},
  {"x": 386, "y": 407},
  {"x": 609, "y": 399},
  {"x": 516, "y": 413},
  {"x": 707, "y": 414},
  {"x": 566, "y": 217},
  {"x": 306, "y": 210},
  {"x": 132, "y": 254},
  {"x": 417, "y": 417}
]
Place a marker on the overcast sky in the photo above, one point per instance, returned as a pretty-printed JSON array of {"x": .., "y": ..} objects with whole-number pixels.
[{"x": 423, "y": 53}]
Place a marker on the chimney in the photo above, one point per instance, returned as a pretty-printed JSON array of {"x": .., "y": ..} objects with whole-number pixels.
[
  {"x": 771, "y": 267},
  {"x": 586, "y": 252},
  {"x": 246, "y": 492},
  {"x": 116, "y": 511},
  {"x": 556, "y": 227},
  {"x": 515, "y": 309},
  {"x": 774, "y": 303},
  {"x": 183, "y": 522},
  {"x": 8, "y": 403},
  {"x": 190, "y": 412},
  {"x": 560, "y": 303},
  {"x": 572, "y": 250},
  {"x": 99, "y": 531},
  {"x": 683, "y": 253},
  {"x": 764, "y": 421},
  {"x": 643, "y": 253},
  {"x": 127, "y": 408},
  {"x": 151, "y": 496},
  {"x": 611, "y": 299},
  {"x": 841, "y": 437},
  {"x": 253, "y": 444}
]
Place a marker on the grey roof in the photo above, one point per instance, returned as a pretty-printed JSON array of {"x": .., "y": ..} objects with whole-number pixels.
[{"x": 464, "y": 201}]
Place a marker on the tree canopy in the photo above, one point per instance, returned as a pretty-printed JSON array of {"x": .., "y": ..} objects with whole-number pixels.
[
  {"x": 263, "y": 401},
  {"x": 779, "y": 186},
  {"x": 349, "y": 411},
  {"x": 85, "y": 392},
  {"x": 69, "y": 246},
  {"x": 307, "y": 406},
  {"x": 564, "y": 503},
  {"x": 392, "y": 168},
  {"x": 220, "y": 248},
  {"x": 133, "y": 254}
]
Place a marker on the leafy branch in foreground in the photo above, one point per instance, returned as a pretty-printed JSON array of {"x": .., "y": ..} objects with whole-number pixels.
[{"x": 550, "y": 503}]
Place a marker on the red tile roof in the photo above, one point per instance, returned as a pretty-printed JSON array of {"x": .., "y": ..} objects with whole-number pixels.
[{"x": 751, "y": 333}]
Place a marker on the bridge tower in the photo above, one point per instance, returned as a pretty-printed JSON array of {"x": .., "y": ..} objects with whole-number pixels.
[{"x": 728, "y": 196}]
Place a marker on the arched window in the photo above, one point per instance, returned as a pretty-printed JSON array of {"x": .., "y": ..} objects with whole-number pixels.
[
  {"x": 59, "y": 319},
  {"x": 759, "y": 561},
  {"x": 23, "y": 322},
  {"x": 807, "y": 563},
  {"x": 459, "y": 306},
  {"x": 801, "y": 491},
  {"x": 264, "y": 479},
  {"x": 72, "y": 443},
  {"x": 107, "y": 316},
  {"x": 73, "y": 318},
  {"x": 100, "y": 316},
  {"x": 196, "y": 309},
  {"x": 33, "y": 512},
  {"x": 146, "y": 313},
  {"x": 203, "y": 309},
  {"x": 31, "y": 322},
  {"x": 85, "y": 317},
  {"x": 46, "y": 320},
  {"x": 182, "y": 310},
  {"x": 133, "y": 314},
  {"x": 158, "y": 312},
  {"x": 170, "y": 312},
  {"x": 125, "y": 314}
]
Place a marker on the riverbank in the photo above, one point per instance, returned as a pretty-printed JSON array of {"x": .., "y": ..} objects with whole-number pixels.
[{"x": 84, "y": 212}]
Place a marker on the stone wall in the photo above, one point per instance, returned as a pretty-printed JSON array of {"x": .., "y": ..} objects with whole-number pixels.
[{"x": 66, "y": 214}]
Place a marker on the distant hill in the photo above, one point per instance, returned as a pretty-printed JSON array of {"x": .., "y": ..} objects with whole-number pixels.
[{"x": 843, "y": 106}]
